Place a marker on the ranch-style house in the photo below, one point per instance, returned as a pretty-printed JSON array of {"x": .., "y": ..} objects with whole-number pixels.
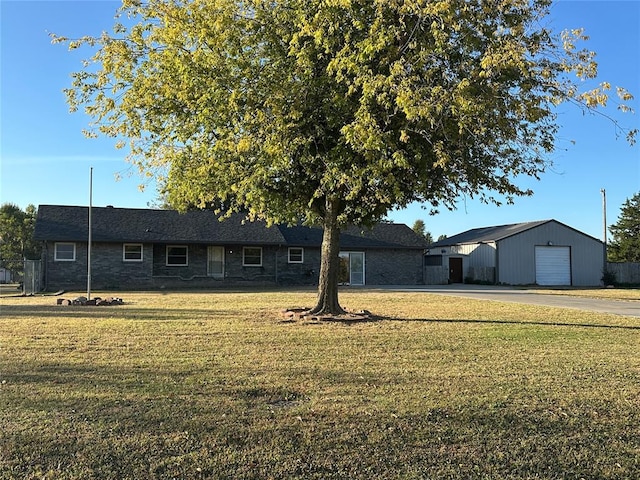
[{"x": 152, "y": 249}]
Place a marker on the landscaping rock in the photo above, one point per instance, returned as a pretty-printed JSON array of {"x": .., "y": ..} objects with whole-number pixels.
[
  {"x": 80, "y": 301},
  {"x": 295, "y": 314},
  {"x": 97, "y": 301}
]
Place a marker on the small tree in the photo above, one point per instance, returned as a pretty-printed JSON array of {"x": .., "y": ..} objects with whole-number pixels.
[
  {"x": 334, "y": 112},
  {"x": 625, "y": 245},
  {"x": 419, "y": 228},
  {"x": 16, "y": 236},
  {"x": 428, "y": 238}
]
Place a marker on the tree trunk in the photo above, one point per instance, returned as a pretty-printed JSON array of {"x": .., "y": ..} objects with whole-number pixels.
[{"x": 329, "y": 263}]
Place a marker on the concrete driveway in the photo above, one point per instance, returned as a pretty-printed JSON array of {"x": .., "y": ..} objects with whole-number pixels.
[{"x": 515, "y": 295}]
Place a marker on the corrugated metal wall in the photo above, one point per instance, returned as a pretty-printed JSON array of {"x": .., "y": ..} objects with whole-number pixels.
[
  {"x": 516, "y": 255},
  {"x": 480, "y": 254}
]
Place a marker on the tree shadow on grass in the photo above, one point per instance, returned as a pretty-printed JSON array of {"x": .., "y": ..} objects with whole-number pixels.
[
  {"x": 516, "y": 322},
  {"x": 382, "y": 318},
  {"x": 109, "y": 312}
]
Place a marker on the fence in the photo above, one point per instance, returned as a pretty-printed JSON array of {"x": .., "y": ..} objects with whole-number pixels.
[
  {"x": 625, "y": 273},
  {"x": 486, "y": 275},
  {"x": 32, "y": 282},
  {"x": 436, "y": 275},
  {"x": 6, "y": 276}
]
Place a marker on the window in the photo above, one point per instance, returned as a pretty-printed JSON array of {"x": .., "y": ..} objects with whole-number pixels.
[
  {"x": 433, "y": 260},
  {"x": 65, "y": 252},
  {"x": 296, "y": 255},
  {"x": 252, "y": 256},
  {"x": 132, "y": 252},
  {"x": 177, "y": 256}
]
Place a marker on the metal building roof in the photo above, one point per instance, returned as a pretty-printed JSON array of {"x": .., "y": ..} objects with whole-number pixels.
[{"x": 488, "y": 234}]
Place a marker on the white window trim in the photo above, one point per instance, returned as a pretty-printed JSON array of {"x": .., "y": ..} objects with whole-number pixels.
[
  {"x": 301, "y": 255},
  {"x": 125, "y": 245},
  {"x": 186, "y": 264},
  {"x": 55, "y": 252},
  {"x": 244, "y": 264}
]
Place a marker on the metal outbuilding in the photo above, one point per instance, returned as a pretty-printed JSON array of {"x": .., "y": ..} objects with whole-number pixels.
[{"x": 545, "y": 252}]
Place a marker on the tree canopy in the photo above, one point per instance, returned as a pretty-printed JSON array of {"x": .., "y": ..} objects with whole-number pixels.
[
  {"x": 333, "y": 112},
  {"x": 625, "y": 245},
  {"x": 16, "y": 236}
]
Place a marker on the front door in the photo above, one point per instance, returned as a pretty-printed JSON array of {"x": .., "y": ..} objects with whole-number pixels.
[
  {"x": 215, "y": 262},
  {"x": 455, "y": 270}
]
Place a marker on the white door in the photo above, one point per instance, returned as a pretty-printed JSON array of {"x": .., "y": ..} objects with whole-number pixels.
[
  {"x": 553, "y": 265},
  {"x": 215, "y": 262}
]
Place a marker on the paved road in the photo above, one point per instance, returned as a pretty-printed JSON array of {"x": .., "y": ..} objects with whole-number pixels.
[{"x": 508, "y": 294}]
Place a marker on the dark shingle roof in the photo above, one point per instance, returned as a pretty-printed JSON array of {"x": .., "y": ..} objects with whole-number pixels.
[
  {"x": 386, "y": 235},
  {"x": 70, "y": 223},
  {"x": 382, "y": 235},
  {"x": 66, "y": 223},
  {"x": 488, "y": 234}
]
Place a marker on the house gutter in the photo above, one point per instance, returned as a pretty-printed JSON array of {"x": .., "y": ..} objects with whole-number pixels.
[
  {"x": 497, "y": 262},
  {"x": 276, "y": 270}
]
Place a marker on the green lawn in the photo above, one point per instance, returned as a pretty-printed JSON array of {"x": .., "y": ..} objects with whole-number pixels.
[{"x": 216, "y": 385}]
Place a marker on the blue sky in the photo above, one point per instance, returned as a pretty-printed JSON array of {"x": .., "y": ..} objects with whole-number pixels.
[{"x": 45, "y": 159}]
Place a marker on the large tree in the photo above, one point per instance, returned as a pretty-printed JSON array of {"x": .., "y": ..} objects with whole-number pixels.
[
  {"x": 333, "y": 112},
  {"x": 16, "y": 236},
  {"x": 625, "y": 245}
]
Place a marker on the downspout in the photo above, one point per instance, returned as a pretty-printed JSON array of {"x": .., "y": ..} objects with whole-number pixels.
[
  {"x": 43, "y": 262},
  {"x": 497, "y": 263}
]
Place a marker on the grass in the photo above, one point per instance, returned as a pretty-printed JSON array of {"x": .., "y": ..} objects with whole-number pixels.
[{"x": 215, "y": 385}]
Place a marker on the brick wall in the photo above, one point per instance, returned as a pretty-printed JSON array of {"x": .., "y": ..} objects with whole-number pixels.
[
  {"x": 393, "y": 267},
  {"x": 306, "y": 273},
  {"x": 65, "y": 275},
  {"x": 110, "y": 271}
]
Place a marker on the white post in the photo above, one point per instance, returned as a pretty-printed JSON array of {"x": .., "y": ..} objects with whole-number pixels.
[
  {"x": 89, "y": 244},
  {"x": 604, "y": 215},
  {"x": 604, "y": 227}
]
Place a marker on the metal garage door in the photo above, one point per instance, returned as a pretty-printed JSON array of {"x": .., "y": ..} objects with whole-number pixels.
[{"x": 553, "y": 265}]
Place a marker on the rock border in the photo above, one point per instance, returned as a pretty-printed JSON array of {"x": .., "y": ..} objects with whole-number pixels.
[
  {"x": 302, "y": 314},
  {"x": 94, "y": 302}
]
